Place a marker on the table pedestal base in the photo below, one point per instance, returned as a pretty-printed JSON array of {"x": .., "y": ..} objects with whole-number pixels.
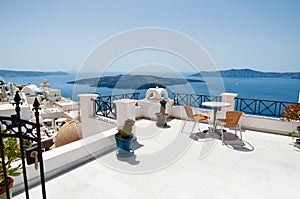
[{"x": 210, "y": 130}]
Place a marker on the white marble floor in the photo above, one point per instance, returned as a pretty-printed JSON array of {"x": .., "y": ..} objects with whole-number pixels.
[{"x": 171, "y": 164}]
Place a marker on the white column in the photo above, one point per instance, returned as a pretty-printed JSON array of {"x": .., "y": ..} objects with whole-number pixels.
[
  {"x": 229, "y": 98},
  {"x": 125, "y": 109},
  {"x": 87, "y": 111}
]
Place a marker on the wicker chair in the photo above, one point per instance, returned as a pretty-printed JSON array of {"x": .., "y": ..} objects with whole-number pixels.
[
  {"x": 232, "y": 120},
  {"x": 196, "y": 118}
]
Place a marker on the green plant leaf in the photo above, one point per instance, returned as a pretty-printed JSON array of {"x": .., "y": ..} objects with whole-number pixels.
[{"x": 12, "y": 152}]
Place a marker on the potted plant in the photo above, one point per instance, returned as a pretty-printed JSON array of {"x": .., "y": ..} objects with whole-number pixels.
[
  {"x": 292, "y": 113},
  {"x": 162, "y": 115},
  {"x": 12, "y": 153},
  {"x": 294, "y": 133},
  {"x": 124, "y": 136}
]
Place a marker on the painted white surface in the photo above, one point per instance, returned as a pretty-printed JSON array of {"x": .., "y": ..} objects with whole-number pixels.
[
  {"x": 228, "y": 98},
  {"x": 67, "y": 156},
  {"x": 8, "y": 110},
  {"x": 224, "y": 173},
  {"x": 125, "y": 109},
  {"x": 267, "y": 124},
  {"x": 67, "y": 105},
  {"x": 90, "y": 126},
  {"x": 156, "y": 94},
  {"x": 148, "y": 108},
  {"x": 267, "y": 167}
]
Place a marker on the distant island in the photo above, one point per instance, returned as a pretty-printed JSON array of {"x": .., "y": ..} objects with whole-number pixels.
[
  {"x": 132, "y": 81},
  {"x": 12, "y": 73},
  {"x": 247, "y": 73}
]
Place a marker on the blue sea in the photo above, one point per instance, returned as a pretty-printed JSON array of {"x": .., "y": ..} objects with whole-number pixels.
[{"x": 278, "y": 89}]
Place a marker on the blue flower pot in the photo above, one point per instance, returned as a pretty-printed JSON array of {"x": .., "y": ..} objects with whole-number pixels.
[{"x": 124, "y": 143}]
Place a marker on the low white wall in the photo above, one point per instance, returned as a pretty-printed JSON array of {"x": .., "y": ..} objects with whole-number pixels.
[
  {"x": 251, "y": 122},
  {"x": 68, "y": 156},
  {"x": 268, "y": 124},
  {"x": 52, "y": 115},
  {"x": 68, "y": 105},
  {"x": 95, "y": 142},
  {"x": 148, "y": 108},
  {"x": 8, "y": 110}
]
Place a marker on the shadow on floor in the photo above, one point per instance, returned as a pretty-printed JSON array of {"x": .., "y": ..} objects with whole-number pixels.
[
  {"x": 296, "y": 145},
  {"x": 136, "y": 145},
  {"x": 126, "y": 156},
  {"x": 129, "y": 157},
  {"x": 230, "y": 139}
]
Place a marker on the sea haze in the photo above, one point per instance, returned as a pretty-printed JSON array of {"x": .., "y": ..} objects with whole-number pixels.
[{"x": 259, "y": 87}]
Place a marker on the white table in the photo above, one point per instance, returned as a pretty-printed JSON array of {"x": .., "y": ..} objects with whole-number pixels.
[{"x": 215, "y": 106}]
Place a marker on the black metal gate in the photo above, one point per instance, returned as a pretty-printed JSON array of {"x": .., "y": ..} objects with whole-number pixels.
[{"x": 25, "y": 132}]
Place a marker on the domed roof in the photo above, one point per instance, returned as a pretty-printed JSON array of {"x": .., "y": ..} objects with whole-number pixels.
[
  {"x": 71, "y": 131},
  {"x": 45, "y": 84}
]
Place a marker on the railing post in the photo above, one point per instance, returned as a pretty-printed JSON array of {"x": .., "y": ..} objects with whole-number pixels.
[
  {"x": 4, "y": 168},
  {"x": 275, "y": 109},
  {"x": 36, "y": 109},
  {"x": 17, "y": 102}
]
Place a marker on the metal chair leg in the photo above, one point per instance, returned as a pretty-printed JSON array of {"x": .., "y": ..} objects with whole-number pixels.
[
  {"x": 198, "y": 127},
  {"x": 193, "y": 127},
  {"x": 241, "y": 135},
  {"x": 183, "y": 125},
  {"x": 222, "y": 134}
]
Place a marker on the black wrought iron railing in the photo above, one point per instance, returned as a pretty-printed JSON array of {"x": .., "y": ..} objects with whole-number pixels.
[
  {"x": 194, "y": 100},
  {"x": 104, "y": 105},
  {"x": 25, "y": 132},
  {"x": 270, "y": 108}
]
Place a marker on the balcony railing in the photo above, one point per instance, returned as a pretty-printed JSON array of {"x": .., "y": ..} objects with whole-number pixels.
[
  {"x": 194, "y": 100},
  {"x": 269, "y": 108},
  {"x": 104, "y": 105},
  {"x": 261, "y": 107}
]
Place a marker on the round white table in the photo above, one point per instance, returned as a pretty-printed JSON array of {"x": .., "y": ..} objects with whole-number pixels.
[{"x": 215, "y": 106}]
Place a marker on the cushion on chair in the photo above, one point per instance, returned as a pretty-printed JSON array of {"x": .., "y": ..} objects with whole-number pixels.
[{"x": 200, "y": 117}]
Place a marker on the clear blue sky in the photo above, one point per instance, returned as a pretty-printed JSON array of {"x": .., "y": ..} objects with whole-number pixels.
[{"x": 59, "y": 34}]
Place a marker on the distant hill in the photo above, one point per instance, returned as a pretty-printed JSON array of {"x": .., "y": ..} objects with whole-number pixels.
[
  {"x": 132, "y": 81},
  {"x": 247, "y": 73},
  {"x": 12, "y": 73}
]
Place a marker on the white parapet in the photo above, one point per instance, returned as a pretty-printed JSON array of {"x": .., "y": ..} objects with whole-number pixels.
[
  {"x": 59, "y": 160},
  {"x": 87, "y": 111},
  {"x": 147, "y": 108},
  {"x": 228, "y": 98},
  {"x": 9, "y": 109},
  {"x": 125, "y": 109},
  {"x": 268, "y": 124}
]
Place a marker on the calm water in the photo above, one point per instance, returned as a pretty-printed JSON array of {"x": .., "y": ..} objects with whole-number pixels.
[{"x": 259, "y": 88}]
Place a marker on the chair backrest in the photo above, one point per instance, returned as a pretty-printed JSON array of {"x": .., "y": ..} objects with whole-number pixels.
[
  {"x": 233, "y": 117},
  {"x": 188, "y": 110}
]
